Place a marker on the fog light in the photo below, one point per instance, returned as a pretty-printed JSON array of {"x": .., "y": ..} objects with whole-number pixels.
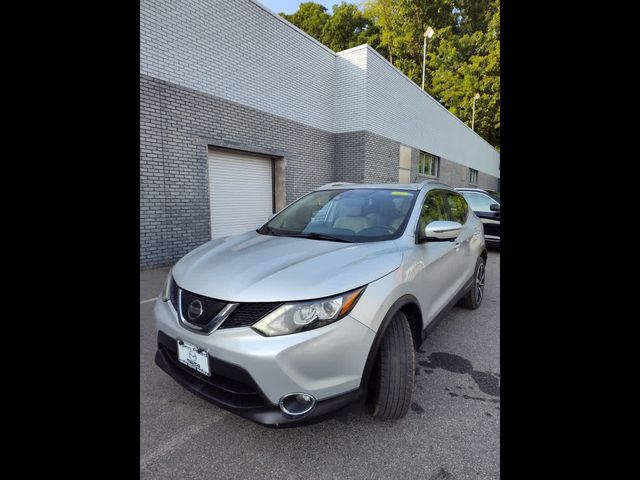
[{"x": 296, "y": 404}]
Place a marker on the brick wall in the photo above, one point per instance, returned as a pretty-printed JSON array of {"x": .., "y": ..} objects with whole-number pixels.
[
  {"x": 235, "y": 49},
  {"x": 349, "y": 156},
  {"x": 176, "y": 126},
  {"x": 350, "y": 104},
  {"x": 382, "y": 157},
  {"x": 487, "y": 181},
  {"x": 453, "y": 173},
  {"x": 457, "y": 175}
]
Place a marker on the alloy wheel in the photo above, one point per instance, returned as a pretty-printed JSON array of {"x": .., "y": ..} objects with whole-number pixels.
[{"x": 480, "y": 283}]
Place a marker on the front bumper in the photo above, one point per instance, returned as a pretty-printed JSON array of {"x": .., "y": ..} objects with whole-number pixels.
[
  {"x": 239, "y": 397},
  {"x": 250, "y": 372}
]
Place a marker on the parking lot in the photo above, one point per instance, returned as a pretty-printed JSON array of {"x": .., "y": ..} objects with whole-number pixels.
[{"x": 451, "y": 432}]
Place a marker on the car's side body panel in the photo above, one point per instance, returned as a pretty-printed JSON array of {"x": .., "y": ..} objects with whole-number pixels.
[{"x": 435, "y": 272}]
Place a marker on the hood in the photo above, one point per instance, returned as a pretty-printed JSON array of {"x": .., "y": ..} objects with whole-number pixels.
[{"x": 265, "y": 268}]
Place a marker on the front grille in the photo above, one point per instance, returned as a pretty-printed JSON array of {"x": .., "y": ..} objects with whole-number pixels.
[
  {"x": 244, "y": 315},
  {"x": 249, "y": 313},
  {"x": 210, "y": 308}
]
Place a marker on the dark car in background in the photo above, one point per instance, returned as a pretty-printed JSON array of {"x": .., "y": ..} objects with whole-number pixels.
[{"x": 486, "y": 205}]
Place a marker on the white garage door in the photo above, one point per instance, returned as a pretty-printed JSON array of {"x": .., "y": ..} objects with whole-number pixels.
[{"x": 240, "y": 192}]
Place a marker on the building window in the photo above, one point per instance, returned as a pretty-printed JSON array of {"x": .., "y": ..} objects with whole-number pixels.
[
  {"x": 473, "y": 176},
  {"x": 428, "y": 165}
]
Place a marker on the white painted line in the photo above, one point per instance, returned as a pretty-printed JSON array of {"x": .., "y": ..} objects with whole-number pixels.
[
  {"x": 176, "y": 441},
  {"x": 150, "y": 300}
]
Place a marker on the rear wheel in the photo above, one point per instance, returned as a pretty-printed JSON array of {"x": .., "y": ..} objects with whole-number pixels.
[
  {"x": 474, "y": 296},
  {"x": 392, "y": 379}
]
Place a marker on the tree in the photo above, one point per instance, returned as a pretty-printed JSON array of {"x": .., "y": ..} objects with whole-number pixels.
[
  {"x": 346, "y": 28},
  {"x": 310, "y": 17},
  {"x": 463, "y": 57},
  {"x": 471, "y": 15},
  {"x": 461, "y": 66},
  {"x": 402, "y": 24},
  {"x": 383, "y": 15}
]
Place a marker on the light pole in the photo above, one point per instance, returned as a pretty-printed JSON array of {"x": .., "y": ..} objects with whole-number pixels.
[
  {"x": 427, "y": 34},
  {"x": 473, "y": 114}
]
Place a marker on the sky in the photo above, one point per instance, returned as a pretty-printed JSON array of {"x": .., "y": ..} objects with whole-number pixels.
[{"x": 290, "y": 6}]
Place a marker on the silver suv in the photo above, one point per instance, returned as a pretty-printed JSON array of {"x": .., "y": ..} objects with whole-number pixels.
[{"x": 323, "y": 305}]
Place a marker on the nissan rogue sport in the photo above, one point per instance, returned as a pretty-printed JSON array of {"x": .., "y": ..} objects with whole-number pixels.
[{"x": 324, "y": 304}]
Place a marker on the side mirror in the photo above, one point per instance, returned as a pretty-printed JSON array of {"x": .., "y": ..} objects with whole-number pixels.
[
  {"x": 441, "y": 231},
  {"x": 494, "y": 207}
]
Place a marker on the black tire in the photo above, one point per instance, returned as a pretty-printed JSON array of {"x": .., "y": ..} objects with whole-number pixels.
[
  {"x": 473, "y": 298},
  {"x": 392, "y": 379}
]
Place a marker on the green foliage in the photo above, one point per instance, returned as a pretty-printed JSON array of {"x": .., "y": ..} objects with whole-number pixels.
[
  {"x": 471, "y": 15},
  {"x": 310, "y": 17},
  {"x": 463, "y": 64},
  {"x": 346, "y": 28},
  {"x": 463, "y": 56}
]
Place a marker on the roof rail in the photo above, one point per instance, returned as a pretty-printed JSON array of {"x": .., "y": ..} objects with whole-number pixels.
[
  {"x": 424, "y": 183},
  {"x": 336, "y": 184}
]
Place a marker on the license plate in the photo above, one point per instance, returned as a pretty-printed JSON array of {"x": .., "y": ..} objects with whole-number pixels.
[{"x": 193, "y": 357}]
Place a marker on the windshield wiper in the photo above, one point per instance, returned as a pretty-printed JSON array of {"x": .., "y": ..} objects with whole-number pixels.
[
  {"x": 318, "y": 236},
  {"x": 264, "y": 230}
]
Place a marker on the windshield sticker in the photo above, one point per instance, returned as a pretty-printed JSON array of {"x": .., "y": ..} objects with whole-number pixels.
[{"x": 399, "y": 193}]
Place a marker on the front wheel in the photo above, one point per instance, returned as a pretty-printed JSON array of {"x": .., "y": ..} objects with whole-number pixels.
[
  {"x": 392, "y": 379},
  {"x": 474, "y": 296}
]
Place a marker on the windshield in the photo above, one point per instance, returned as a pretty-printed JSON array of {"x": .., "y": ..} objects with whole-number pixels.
[{"x": 356, "y": 215}]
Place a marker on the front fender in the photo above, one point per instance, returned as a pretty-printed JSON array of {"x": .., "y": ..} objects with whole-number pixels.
[{"x": 379, "y": 297}]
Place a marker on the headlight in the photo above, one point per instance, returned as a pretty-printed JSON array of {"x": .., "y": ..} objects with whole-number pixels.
[
  {"x": 166, "y": 290},
  {"x": 170, "y": 290},
  {"x": 302, "y": 316}
]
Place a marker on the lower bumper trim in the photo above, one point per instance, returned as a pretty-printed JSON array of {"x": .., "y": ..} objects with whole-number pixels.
[{"x": 267, "y": 415}]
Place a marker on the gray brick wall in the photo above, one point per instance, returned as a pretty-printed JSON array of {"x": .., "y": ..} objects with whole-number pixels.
[
  {"x": 366, "y": 157},
  {"x": 176, "y": 126},
  {"x": 457, "y": 175},
  {"x": 487, "y": 181},
  {"x": 349, "y": 158},
  {"x": 453, "y": 173},
  {"x": 382, "y": 157}
]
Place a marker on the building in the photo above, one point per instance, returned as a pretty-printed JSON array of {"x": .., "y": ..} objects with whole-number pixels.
[{"x": 241, "y": 113}]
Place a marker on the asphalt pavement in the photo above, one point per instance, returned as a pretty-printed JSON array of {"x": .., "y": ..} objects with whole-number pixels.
[{"x": 451, "y": 432}]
